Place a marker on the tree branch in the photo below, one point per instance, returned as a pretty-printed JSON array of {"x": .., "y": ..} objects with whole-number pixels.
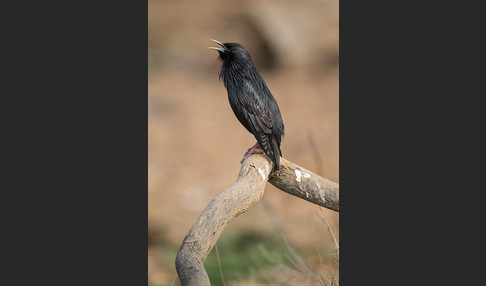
[
  {"x": 245, "y": 193},
  {"x": 302, "y": 183}
]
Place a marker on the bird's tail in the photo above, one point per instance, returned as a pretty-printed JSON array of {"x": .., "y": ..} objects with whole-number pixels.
[
  {"x": 276, "y": 153},
  {"x": 270, "y": 147}
]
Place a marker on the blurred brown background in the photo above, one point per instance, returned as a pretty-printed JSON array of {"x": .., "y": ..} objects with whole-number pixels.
[{"x": 195, "y": 142}]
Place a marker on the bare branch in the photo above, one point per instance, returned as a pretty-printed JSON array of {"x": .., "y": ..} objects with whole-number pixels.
[
  {"x": 245, "y": 193},
  {"x": 227, "y": 205},
  {"x": 302, "y": 183}
]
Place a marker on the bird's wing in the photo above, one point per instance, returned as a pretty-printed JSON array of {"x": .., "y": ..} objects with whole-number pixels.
[{"x": 255, "y": 109}]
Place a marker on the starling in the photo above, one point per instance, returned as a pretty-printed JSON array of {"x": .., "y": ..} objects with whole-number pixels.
[{"x": 251, "y": 100}]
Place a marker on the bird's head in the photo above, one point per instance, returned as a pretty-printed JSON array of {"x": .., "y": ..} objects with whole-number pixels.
[{"x": 231, "y": 51}]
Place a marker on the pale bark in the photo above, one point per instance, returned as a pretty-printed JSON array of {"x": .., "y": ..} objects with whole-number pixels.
[{"x": 246, "y": 192}]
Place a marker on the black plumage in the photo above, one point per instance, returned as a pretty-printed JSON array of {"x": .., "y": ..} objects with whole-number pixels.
[{"x": 251, "y": 100}]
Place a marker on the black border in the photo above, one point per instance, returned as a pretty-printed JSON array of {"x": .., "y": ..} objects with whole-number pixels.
[
  {"x": 76, "y": 110},
  {"x": 408, "y": 125}
]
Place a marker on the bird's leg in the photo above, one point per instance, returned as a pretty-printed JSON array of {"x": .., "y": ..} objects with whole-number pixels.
[{"x": 255, "y": 149}]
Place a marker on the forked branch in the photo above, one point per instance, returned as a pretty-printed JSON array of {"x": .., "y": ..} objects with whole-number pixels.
[{"x": 246, "y": 192}]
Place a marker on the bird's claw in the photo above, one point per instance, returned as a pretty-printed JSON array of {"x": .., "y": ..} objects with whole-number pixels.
[{"x": 253, "y": 150}]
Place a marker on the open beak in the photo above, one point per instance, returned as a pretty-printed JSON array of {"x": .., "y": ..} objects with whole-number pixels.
[{"x": 218, "y": 49}]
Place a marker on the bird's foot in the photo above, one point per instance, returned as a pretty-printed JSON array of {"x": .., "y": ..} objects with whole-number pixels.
[{"x": 255, "y": 149}]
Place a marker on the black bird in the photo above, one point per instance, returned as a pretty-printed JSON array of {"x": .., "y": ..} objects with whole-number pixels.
[{"x": 251, "y": 100}]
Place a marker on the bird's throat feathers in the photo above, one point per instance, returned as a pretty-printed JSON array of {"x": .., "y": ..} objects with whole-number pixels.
[{"x": 235, "y": 71}]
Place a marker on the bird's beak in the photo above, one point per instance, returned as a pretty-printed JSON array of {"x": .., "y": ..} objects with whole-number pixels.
[{"x": 218, "y": 49}]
